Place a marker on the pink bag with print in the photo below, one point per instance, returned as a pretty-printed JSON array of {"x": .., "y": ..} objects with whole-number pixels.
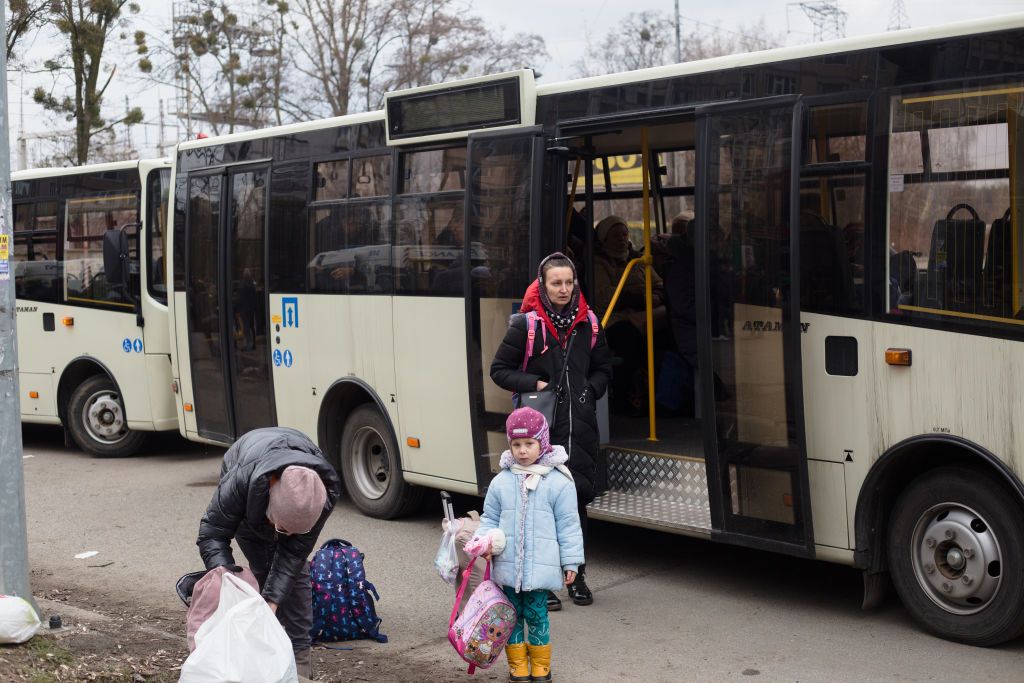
[{"x": 479, "y": 634}]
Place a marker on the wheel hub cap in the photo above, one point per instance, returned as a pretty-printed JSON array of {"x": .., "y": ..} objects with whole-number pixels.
[
  {"x": 370, "y": 463},
  {"x": 104, "y": 418},
  {"x": 957, "y": 560}
]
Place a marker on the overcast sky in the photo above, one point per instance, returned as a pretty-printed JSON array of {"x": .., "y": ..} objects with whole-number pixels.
[{"x": 564, "y": 24}]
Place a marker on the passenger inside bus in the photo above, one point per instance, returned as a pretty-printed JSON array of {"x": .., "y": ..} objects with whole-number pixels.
[{"x": 626, "y": 327}]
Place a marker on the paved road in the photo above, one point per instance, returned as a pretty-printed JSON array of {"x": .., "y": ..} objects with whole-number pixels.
[{"x": 667, "y": 608}]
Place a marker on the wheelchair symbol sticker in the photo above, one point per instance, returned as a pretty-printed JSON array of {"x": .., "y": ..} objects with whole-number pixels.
[
  {"x": 288, "y": 359},
  {"x": 277, "y": 358},
  {"x": 127, "y": 345}
]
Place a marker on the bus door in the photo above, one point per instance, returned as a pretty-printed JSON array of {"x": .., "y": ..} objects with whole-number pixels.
[
  {"x": 227, "y": 303},
  {"x": 503, "y": 219},
  {"x": 748, "y": 311}
]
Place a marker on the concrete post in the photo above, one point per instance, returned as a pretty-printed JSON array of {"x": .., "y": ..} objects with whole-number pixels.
[{"x": 13, "y": 537}]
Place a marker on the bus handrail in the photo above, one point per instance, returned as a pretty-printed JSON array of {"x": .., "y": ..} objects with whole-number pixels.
[{"x": 647, "y": 261}]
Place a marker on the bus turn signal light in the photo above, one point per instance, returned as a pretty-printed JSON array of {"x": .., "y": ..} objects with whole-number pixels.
[
  {"x": 188, "y": 407},
  {"x": 33, "y": 394},
  {"x": 67, "y": 321},
  {"x": 897, "y": 356},
  {"x": 413, "y": 442}
]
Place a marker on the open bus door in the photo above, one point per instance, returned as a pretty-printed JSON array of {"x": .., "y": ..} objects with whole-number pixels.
[
  {"x": 503, "y": 239},
  {"x": 747, "y": 213}
]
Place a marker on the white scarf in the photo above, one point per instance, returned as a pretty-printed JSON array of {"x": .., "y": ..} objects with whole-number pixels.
[{"x": 534, "y": 473}]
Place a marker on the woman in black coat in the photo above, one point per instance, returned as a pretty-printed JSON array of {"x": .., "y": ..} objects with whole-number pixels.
[{"x": 562, "y": 316}]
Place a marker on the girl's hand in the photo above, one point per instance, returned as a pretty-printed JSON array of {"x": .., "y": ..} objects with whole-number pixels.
[
  {"x": 570, "y": 576},
  {"x": 541, "y": 384}
]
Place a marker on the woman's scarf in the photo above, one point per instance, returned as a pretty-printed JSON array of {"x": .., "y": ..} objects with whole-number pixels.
[
  {"x": 528, "y": 477},
  {"x": 561, "y": 319}
]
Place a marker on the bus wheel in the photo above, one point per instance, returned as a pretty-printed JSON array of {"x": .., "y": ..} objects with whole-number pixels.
[
  {"x": 371, "y": 467},
  {"x": 957, "y": 558},
  {"x": 96, "y": 419}
]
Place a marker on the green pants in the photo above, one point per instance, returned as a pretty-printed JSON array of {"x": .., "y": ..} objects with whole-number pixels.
[{"x": 532, "y": 608}]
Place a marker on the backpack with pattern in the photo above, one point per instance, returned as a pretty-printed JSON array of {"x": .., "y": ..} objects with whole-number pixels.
[{"x": 342, "y": 603}]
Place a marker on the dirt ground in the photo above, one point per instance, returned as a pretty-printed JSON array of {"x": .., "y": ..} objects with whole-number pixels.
[{"x": 100, "y": 640}]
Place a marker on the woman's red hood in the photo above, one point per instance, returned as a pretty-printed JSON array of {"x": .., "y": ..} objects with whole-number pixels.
[{"x": 531, "y": 302}]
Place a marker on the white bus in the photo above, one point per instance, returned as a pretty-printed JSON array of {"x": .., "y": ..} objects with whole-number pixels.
[
  {"x": 857, "y": 269},
  {"x": 93, "y": 341}
]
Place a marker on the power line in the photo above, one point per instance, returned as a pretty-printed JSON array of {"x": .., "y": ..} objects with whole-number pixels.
[{"x": 828, "y": 20}]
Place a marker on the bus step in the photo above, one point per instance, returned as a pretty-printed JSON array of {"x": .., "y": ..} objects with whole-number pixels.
[{"x": 665, "y": 492}]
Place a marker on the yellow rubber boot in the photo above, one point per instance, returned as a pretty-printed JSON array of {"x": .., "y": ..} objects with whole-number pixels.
[
  {"x": 518, "y": 664},
  {"x": 540, "y": 662}
]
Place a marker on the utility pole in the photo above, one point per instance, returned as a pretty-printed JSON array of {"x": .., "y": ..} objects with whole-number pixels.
[
  {"x": 898, "y": 18},
  {"x": 160, "y": 141},
  {"x": 679, "y": 40},
  {"x": 13, "y": 535}
]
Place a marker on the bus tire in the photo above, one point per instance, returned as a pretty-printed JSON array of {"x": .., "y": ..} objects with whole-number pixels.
[
  {"x": 957, "y": 558},
  {"x": 371, "y": 466},
  {"x": 97, "y": 422}
]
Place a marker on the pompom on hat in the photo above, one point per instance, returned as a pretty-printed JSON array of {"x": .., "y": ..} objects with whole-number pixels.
[
  {"x": 297, "y": 500},
  {"x": 527, "y": 423}
]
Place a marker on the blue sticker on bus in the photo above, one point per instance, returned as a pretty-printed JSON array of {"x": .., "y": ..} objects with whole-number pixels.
[
  {"x": 127, "y": 345},
  {"x": 137, "y": 345},
  {"x": 288, "y": 358},
  {"x": 290, "y": 311},
  {"x": 277, "y": 358}
]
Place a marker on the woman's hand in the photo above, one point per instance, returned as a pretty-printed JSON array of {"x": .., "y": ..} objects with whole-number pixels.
[
  {"x": 570, "y": 576},
  {"x": 541, "y": 384}
]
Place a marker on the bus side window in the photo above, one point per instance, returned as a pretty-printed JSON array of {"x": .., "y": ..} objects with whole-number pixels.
[
  {"x": 950, "y": 183},
  {"x": 37, "y": 272}
]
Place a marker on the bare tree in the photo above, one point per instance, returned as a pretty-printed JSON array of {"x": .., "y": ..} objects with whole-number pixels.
[
  {"x": 646, "y": 39},
  {"x": 340, "y": 44},
  {"x": 23, "y": 17},
  {"x": 438, "y": 40},
  {"x": 88, "y": 26}
]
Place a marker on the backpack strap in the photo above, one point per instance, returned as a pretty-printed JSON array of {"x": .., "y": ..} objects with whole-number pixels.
[
  {"x": 593, "y": 328},
  {"x": 531, "y": 335}
]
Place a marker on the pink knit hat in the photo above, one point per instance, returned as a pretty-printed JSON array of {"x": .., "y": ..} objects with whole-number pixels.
[
  {"x": 297, "y": 500},
  {"x": 527, "y": 423}
]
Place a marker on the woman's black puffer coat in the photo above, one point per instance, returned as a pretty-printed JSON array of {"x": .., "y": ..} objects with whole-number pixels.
[
  {"x": 586, "y": 381},
  {"x": 239, "y": 505}
]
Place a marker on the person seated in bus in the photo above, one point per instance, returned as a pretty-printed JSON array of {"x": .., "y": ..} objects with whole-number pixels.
[
  {"x": 627, "y": 325},
  {"x": 275, "y": 494},
  {"x": 902, "y": 279}
]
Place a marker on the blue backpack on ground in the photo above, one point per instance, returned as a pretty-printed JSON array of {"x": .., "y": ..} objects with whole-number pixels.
[{"x": 342, "y": 603}]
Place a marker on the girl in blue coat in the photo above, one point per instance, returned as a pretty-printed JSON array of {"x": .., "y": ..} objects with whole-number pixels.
[{"x": 532, "y": 527}]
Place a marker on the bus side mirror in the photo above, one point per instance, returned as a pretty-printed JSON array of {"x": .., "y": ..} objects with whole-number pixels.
[{"x": 115, "y": 256}]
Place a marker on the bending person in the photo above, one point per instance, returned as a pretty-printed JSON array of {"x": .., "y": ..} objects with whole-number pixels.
[{"x": 276, "y": 492}]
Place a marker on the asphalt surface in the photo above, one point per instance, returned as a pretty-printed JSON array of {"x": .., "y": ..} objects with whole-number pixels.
[{"x": 667, "y": 608}]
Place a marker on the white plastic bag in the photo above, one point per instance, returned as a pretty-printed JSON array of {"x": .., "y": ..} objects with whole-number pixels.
[
  {"x": 447, "y": 559},
  {"x": 18, "y": 621},
  {"x": 242, "y": 642}
]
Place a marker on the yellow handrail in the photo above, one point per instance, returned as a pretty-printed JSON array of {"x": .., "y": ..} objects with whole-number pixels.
[
  {"x": 647, "y": 261},
  {"x": 649, "y": 293}
]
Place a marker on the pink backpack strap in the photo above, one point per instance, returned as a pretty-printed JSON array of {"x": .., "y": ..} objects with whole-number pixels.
[
  {"x": 531, "y": 335},
  {"x": 462, "y": 588},
  {"x": 593, "y": 327}
]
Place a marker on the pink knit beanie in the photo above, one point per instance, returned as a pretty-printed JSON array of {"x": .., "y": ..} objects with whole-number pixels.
[
  {"x": 297, "y": 500},
  {"x": 527, "y": 423}
]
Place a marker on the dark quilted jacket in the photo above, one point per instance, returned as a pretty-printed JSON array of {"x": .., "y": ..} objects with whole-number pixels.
[
  {"x": 588, "y": 377},
  {"x": 239, "y": 505}
]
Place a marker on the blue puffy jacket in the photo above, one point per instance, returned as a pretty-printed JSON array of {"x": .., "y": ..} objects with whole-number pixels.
[{"x": 554, "y": 541}]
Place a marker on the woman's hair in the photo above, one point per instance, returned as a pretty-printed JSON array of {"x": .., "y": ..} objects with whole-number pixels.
[{"x": 559, "y": 261}]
